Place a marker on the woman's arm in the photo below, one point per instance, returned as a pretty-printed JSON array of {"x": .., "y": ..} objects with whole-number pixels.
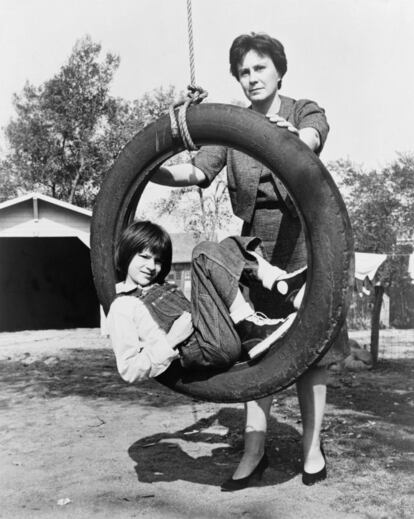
[
  {"x": 311, "y": 137},
  {"x": 311, "y": 125},
  {"x": 308, "y": 135},
  {"x": 201, "y": 171},
  {"x": 179, "y": 175}
]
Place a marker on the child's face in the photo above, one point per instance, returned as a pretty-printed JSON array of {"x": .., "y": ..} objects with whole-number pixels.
[{"x": 144, "y": 268}]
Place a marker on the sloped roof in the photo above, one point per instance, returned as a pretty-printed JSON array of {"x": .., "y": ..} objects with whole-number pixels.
[
  {"x": 37, "y": 215},
  {"x": 34, "y": 223},
  {"x": 45, "y": 198}
]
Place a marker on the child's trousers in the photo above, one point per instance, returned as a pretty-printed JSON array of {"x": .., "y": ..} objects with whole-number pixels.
[{"x": 218, "y": 270}]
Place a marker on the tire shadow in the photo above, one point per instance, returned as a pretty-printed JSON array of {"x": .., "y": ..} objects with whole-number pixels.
[
  {"x": 88, "y": 373},
  {"x": 205, "y": 453}
]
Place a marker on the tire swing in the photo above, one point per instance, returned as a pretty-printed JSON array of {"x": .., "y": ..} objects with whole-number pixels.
[{"x": 324, "y": 217}]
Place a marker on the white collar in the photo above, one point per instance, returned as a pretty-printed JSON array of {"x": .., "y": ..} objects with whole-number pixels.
[{"x": 124, "y": 287}]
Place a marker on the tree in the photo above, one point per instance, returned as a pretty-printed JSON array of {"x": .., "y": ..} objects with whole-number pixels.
[
  {"x": 9, "y": 185},
  {"x": 203, "y": 212},
  {"x": 400, "y": 179},
  {"x": 124, "y": 118},
  {"x": 156, "y": 103},
  {"x": 381, "y": 210},
  {"x": 69, "y": 130},
  {"x": 55, "y": 141}
]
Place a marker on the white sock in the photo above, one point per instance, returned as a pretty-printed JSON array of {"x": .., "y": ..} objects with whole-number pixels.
[
  {"x": 241, "y": 312},
  {"x": 266, "y": 272}
]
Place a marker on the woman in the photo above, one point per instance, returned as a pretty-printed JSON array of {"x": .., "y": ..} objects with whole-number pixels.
[{"x": 258, "y": 62}]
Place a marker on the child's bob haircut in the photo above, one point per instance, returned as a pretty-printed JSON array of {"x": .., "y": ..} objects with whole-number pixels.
[{"x": 138, "y": 237}]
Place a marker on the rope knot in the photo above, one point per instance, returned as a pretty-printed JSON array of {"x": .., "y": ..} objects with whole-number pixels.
[
  {"x": 196, "y": 94},
  {"x": 179, "y": 128}
]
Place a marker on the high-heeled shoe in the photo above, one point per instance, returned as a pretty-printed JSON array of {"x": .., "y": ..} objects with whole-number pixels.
[
  {"x": 230, "y": 485},
  {"x": 311, "y": 479}
]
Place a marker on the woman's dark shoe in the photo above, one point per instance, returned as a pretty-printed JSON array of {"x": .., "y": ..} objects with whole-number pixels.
[
  {"x": 230, "y": 485},
  {"x": 311, "y": 479}
]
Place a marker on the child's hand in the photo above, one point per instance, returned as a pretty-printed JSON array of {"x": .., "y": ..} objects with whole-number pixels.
[{"x": 181, "y": 329}]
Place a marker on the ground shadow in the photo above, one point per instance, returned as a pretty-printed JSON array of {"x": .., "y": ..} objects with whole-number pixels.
[
  {"x": 374, "y": 414},
  {"x": 385, "y": 392},
  {"x": 81, "y": 372},
  {"x": 176, "y": 456}
]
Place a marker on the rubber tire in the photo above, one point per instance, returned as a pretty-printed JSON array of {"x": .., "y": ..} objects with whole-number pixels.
[{"x": 324, "y": 216}]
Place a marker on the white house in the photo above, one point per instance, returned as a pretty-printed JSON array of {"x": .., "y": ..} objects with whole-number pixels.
[{"x": 45, "y": 273}]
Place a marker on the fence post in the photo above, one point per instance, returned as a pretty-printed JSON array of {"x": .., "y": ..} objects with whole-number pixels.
[{"x": 375, "y": 321}]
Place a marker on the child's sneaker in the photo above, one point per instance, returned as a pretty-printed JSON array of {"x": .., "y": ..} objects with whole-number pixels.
[
  {"x": 260, "y": 347},
  {"x": 257, "y": 332}
]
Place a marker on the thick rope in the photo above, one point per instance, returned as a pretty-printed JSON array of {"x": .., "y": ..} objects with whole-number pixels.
[
  {"x": 191, "y": 43},
  {"x": 195, "y": 95}
]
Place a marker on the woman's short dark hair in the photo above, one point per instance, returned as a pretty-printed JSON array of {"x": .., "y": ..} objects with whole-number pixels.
[
  {"x": 140, "y": 236},
  {"x": 263, "y": 44}
]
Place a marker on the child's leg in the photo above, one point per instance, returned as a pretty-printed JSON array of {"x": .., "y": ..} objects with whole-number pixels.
[
  {"x": 220, "y": 313},
  {"x": 215, "y": 276},
  {"x": 273, "y": 277}
]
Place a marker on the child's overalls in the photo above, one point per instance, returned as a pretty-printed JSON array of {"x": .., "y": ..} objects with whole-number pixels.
[{"x": 216, "y": 275}]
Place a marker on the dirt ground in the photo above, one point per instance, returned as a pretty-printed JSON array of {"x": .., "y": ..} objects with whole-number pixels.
[{"x": 80, "y": 443}]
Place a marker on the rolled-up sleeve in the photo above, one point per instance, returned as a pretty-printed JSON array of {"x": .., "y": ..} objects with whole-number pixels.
[
  {"x": 140, "y": 346},
  {"x": 309, "y": 114},
  {"x": 211, "y": 160}
]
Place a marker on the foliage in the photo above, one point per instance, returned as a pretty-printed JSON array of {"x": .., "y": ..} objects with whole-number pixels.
[
  {"x": 155, "y": 104},
  {"x": 68, "y": 131},
  {"x": 380, "y": 203},
  {"x": 9, "y": 185},
  {"x": 55, "y": 140},
  {"x": 203, "y": 212},
  {"x": 124, "y": 119},
  {"x": 381, "y": 209},
  {"x": 400, "y": 179}
]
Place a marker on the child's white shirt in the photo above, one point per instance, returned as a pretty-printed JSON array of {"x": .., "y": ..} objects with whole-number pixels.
[{"x": 141, "y": 347}]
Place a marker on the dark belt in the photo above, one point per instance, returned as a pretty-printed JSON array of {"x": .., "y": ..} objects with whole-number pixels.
[
  {"x": 286, "y": 206},
  {"x": 269, "y": 204}
]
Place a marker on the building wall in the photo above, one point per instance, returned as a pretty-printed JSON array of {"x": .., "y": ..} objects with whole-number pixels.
[
  {"x": 46, "y": 283},
  {"x": 60, "y": 215},
  {"x": 16, "y": 214},
  {"x": 180, "y": 275}
]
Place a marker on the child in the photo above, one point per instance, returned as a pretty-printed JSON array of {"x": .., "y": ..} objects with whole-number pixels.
[{"x": 151, "y": 323}]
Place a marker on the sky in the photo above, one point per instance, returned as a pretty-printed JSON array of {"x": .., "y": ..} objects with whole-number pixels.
[{"x": 354, "y": 57}]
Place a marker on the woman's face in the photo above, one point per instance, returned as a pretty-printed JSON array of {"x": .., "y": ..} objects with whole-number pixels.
[
  {"x": 258, "y": 77},
  {"x": 144, "y": 268}
]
